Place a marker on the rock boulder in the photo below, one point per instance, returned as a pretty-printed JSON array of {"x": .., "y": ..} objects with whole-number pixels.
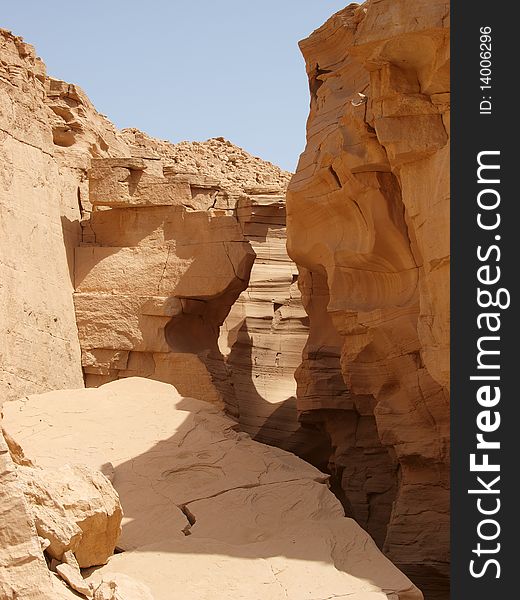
[{"x": 208, "y": 511}]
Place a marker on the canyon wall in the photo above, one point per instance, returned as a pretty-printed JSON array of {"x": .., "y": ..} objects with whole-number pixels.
[
  {"x": 39, "y": 230},
  {"x": 265, "y": 333},
  {"x": 123, "y": 256},
  {"x": 368, "y": 226},
  {"x": 158, "y": 241},
  {"x": 182, "y": 275},
  {"x": 169, "y": 239},
  {"x": 159, "y": 266},
  {"x": 49, "y": 132}
]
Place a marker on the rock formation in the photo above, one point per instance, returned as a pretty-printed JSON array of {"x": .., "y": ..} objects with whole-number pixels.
[
  {"x": 77, "y": 224},
  {"x": 71, "y": 513},
  {"x": 125, "y": 256},
  {"x": 23, "y": 571},
  {"x": 368, "y": 226},
  {"x": 39, "y": 205},
  {"x": 265, "y": 333},
  {"x": 159, "y": 267},
  {"x": 186, "y": 221},
  {"x": 75, "y": 509},
  {"x": 206, "y": 508}
]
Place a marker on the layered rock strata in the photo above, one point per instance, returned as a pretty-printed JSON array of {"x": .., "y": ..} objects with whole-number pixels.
[
  {"x": 161, "y": 262},
  {"x": 165, "y": 236},
  {"x": 206, "y": 508},
  {"x": 64, "y": 188},
  {"x": 169, "y": 239},
  {"x": 368, "y": 226},
  {"x": 265, "y": 333}
]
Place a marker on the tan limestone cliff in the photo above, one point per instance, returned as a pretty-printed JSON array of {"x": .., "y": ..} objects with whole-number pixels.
[
  {"x": 161, "y": 262},
  {"x": 368, "y": 226},
  {"x": 38, "y": 206},
  {"x": 49, "y": 131}
]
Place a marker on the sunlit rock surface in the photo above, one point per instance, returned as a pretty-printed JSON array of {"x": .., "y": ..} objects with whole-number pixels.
[
  {"x": 368, "y": 226},
  {"x": 207, "y": 511}
]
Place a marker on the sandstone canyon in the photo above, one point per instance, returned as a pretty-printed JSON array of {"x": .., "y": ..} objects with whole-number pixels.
[
  {"x": 368, "y": 226},
  {"x": 220, "y": 379}
]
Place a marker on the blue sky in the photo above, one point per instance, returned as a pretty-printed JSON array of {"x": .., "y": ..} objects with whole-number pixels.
[{"x": 184, "y": 69}]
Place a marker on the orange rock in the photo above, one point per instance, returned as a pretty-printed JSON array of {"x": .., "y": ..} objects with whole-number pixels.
[
  {"x": 76, "y": 509},
  {"x": 368, "y": 226}
]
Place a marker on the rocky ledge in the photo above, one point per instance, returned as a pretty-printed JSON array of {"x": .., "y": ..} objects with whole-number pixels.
[{"x": 203, "y": 504}]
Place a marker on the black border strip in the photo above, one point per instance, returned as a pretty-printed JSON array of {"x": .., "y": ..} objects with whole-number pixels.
[{"x": 483, "y": 128}]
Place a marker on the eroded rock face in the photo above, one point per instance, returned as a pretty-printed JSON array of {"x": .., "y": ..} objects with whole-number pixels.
[
  {"x": 166, "y": 286},
  {"x": 161, "y": 262},
  {"x": 49, "y": 131},
  {"x": 206, "y": 508},
  {"x": 38, "y": 207},
  {"x": 368, "y": 226},
  {"x": 158, "y": 240},
  {"x": 75, "y": 509},
  {"x": 265, "y": 333},
  {"x": 23, "y": 571}
]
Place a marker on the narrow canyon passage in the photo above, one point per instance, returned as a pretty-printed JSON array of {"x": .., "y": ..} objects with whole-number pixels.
[
  {"x": 368, "y": 227},
  {"x": 225, "y": 320},
  {"x": 230, "y": 319},
  {"x": 205, "y": 507},
  {"x": 186, "y": 322}
]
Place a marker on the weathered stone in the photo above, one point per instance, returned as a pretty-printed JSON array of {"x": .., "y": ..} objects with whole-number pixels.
[
  {"x": 39, "y": 229},
  {"x": 265, "y": 332},
  {"x": 76, "y": 509},
  {"x": 216, "y": 159},
  {"x": 368, "y": 226},
  {"x": 159, "y": 241},
  {"x": 74, "y": 579},
  {"x": 70, "y": 559},
  {"x": 204, "y": 502},
  {"x": 23, "y": 572},
  {"x": 190, "y": 239},
  {"x": 138, "y": 225},
  {"x": 158, "y": 278},
  {"x": 61, "y": 590}
]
